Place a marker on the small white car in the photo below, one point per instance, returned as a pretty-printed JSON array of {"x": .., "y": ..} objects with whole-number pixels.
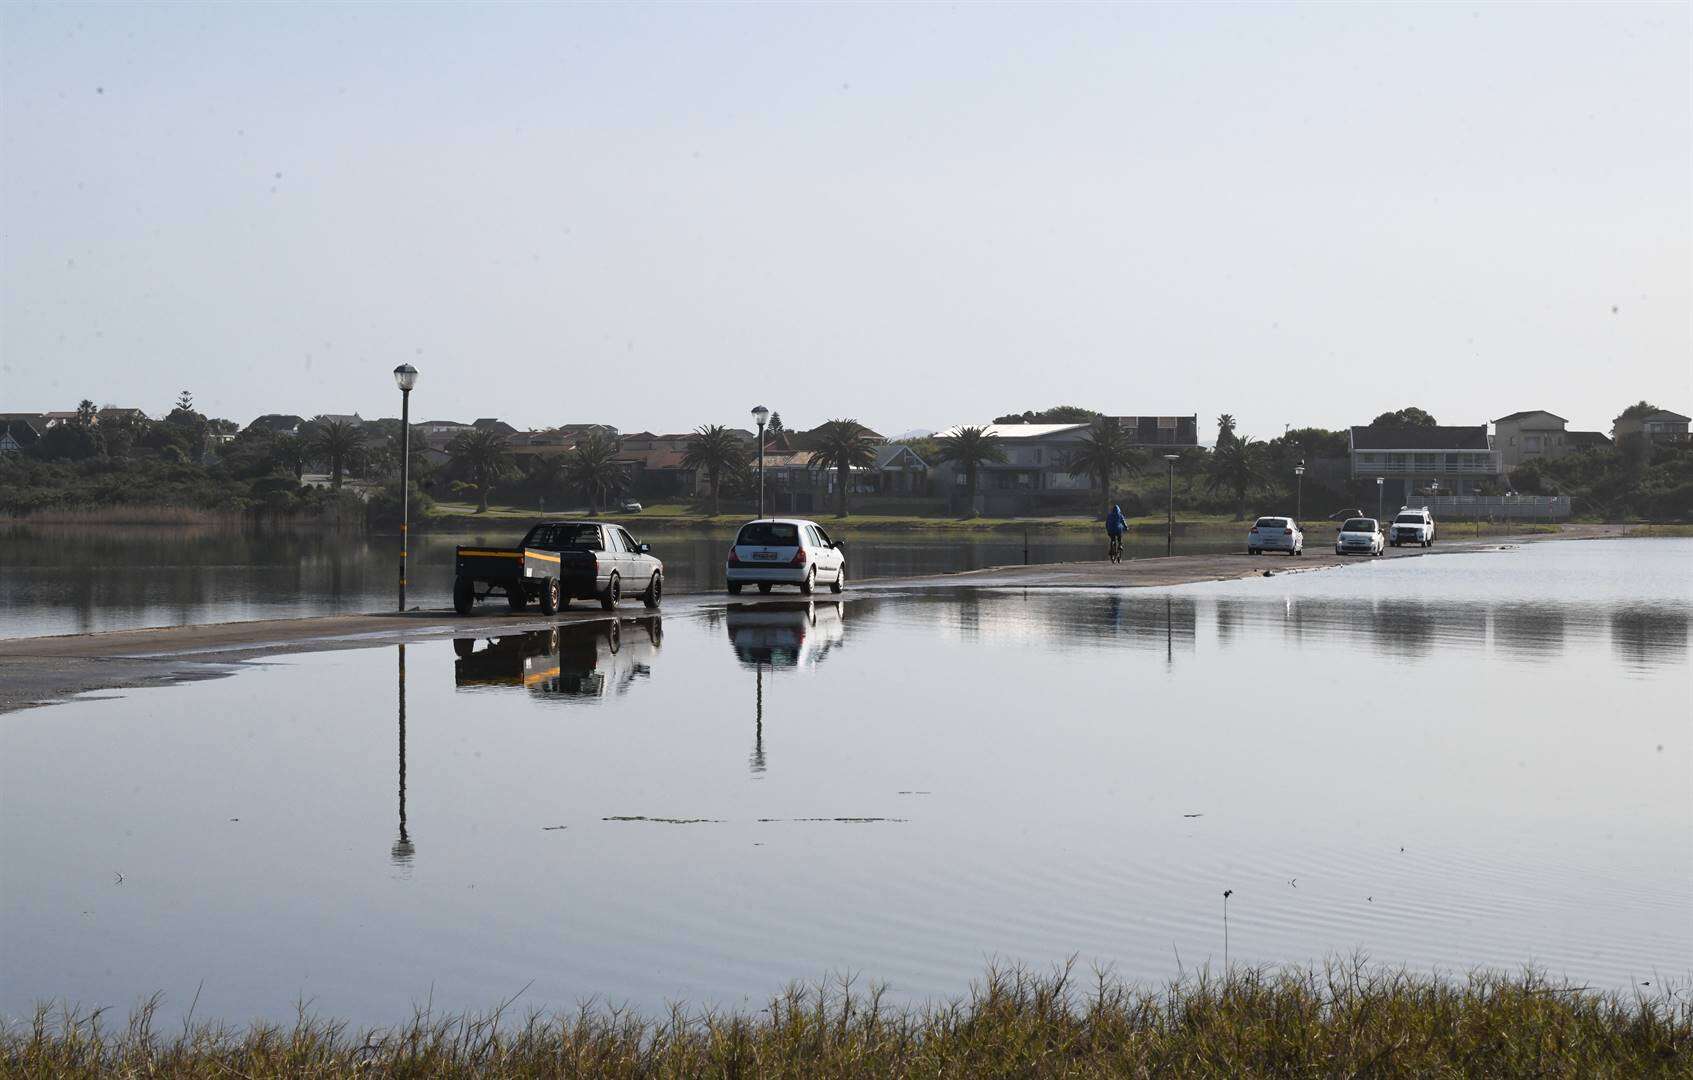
[
  {"x": 1412, "y": 525},
  {"x": 785, "y": 551},
  {"x": 1360, "y": 536},
  {"x": 1275, "y": 534}
]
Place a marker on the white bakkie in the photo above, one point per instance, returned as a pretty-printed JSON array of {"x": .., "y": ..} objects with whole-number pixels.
[
  {"x": 785, "y": 551},
  {"x": 1412, "y": 525}
]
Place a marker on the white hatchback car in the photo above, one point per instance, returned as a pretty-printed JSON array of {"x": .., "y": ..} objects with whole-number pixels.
[
  {"x": 785, "y": 551},
  {"x": 1360, "y": 536},
  {"x": 1275, "y": 534}
]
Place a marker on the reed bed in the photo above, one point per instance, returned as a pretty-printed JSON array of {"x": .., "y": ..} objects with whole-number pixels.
[{"x": 1341, "y": 1020}]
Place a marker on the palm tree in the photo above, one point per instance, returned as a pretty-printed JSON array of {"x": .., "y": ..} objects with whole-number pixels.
[
  {"x": 843, "y": 445},
  {"x": 1225, "y": 429},
  {"x": 717, "y": 450},
  {"x": 1236, "y": 465},
  {"x": 484, "y": 456},
  {"x": 547, "y": 473},
  {"x": 1103, "y": 452},
  {"x": 593, "y": 467},
  {"x": 337, "y": 442},
  {"x": 970, "y": 448}
]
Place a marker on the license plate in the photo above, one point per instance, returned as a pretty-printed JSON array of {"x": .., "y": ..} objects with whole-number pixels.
[{"x": 764, "y": 554}]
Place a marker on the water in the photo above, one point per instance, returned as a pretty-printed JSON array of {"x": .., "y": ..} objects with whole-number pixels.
[
  {"x": 1449, "y": 762},
  {"x": 79, "y": 579}
]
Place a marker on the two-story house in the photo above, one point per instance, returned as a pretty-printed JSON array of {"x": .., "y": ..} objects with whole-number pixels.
[
  {"x": 1413, "y": 461},
  {"x": 1537, "y": 434},
  {"x": 1661, "y": 426}
]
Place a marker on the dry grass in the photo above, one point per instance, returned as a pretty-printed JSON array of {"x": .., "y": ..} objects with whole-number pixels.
[{"x": 1344, "y": 1020}]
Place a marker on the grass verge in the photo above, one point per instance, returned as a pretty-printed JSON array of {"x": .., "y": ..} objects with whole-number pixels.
[
  {"x": 1340, "y": 1020},
  {"x": 1672, "y": 529}
]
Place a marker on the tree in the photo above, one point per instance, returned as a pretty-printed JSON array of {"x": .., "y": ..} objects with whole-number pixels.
[
  {"x": 843, "y": 445},
  {"x": 1104, "y": 451},
  {"x": 338, "y": 443},
  {"x": 776, "y": 427},
  {"x": 1236, "y": 466},
  {"x": 593, "y": 467},
  {"x": 1225, "y": 429},
  {"x": 1639, "y": 408},
  {"x": 185, "y": 401},
  {"x": 1409, "y": 416},
  {"x": 717, "y": 450},
  {"x": 86, "y": 413},
  {"x": 1058, "y": 414},
  {"x": 289, "y": 452},
  {"x": 970, "y": 449},
  {"x": 484, "y": 456}
]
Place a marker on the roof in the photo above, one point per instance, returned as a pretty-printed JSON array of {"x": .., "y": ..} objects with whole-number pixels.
[
  {"x": 1016, "y": 431},
  {"x": 1421, "y": 438},
  {"x": 887, "y": 452},
  {"x": 1585, "y": 439},
  {"x": 1658, "y": 417},
  {"x": 1530, "y": 412}
]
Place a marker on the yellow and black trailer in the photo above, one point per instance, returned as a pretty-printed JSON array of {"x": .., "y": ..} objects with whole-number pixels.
[{"x": 521, "y": 574}]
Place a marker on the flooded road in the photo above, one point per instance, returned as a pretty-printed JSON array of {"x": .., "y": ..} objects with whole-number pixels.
[
  {"x": 1470, "y": 760},
  {"x": 83, "y": 579}
]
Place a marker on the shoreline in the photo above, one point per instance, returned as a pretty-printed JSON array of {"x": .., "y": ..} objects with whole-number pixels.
[{"x": 38, "y": 671}]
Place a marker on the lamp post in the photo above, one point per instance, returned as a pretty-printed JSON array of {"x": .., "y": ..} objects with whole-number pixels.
[
  {"x": 1170, "y": 519},
  {"x": 405, "y": 377},
  {"x": 760, "y": 414},
  {"x": 1299, "y": 495},
  {"x": 1379, "y": 482}
]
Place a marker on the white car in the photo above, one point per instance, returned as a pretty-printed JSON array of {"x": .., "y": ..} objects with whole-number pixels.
[
  {"x": 785, "y": 551},
  {"x": 1360, "y": 536},
  {"x": 1275, "y": 534},
  {"x": 1412, "y": 525}
]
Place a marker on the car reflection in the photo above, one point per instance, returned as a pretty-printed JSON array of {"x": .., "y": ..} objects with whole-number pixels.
[
  {"x": 583, "y": 662},
  {"x": 784, "y": 635}
]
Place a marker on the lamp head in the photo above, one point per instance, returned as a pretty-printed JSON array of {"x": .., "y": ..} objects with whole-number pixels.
[
  {"x": 405, "y": 376},
  {"x": 760, "y": 414}
]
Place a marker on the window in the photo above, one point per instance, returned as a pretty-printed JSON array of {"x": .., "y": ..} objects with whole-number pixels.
[
  {"x": 564, "y": 537},
  {"x": 823, "y": 536},
  {"x": 629, "y": 543},
  {"x": 769, "y": 534}
]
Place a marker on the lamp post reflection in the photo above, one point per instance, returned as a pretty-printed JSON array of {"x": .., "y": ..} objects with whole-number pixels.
[
  {"x": 403, "y": 849},
  {"x": 757, "y": 763}
]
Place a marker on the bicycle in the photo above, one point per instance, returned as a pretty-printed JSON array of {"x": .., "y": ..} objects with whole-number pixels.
[{"x": 1115, "y": 551}]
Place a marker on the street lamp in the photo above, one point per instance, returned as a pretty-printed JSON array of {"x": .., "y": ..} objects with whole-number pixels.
[
  {"x": 405, "y": 377},
  {"x": 1379, "y": 482},
  {"x": 1299, "y": 497},
  {"x": 760, "y": 414},
  {"x": 1170, "y": 521}
]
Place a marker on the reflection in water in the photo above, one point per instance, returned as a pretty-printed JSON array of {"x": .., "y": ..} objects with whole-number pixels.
[
  {"x": 757, "y": 763},
  {"x": 1529, "y": 629},
  {"x": 1646, "y": 635},
  {"x": 580, "y": 662},
  {"x": 785, "y": 634},
  {"x": 403, "y": 849}
]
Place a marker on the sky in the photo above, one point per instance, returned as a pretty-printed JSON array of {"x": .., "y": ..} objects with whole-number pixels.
[{"x": 658, "y": 216}]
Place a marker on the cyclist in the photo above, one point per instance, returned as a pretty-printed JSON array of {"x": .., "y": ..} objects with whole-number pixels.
[{"x": 1115, "y": 526}]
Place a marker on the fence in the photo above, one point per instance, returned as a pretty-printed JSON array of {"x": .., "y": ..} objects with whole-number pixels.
[{"x": 1496, "y": 507}]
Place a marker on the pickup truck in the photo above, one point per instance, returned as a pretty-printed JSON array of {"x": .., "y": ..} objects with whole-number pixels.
[
  {"x": 557, "y": 562},
  {"x": 1412, "y": 525}
]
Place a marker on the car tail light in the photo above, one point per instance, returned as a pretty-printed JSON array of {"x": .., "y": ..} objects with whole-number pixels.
[
  {"x": 799, "y": 557},
  {"x": 734, "y": 559}
]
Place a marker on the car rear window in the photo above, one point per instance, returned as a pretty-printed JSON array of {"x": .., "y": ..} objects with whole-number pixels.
[
  {"x": 1272, "y": 523},
  {"x": 1359, "y": 525},
  {"x": 770, "y": 534},
  {"x": 564, "y": 537}
]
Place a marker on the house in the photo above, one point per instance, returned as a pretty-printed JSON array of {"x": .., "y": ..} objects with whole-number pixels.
[
  {"x": 1035, "y": 473},
  {"x": 1525, "y": 436},
  {"x": 489, "y": 423},
  {"x": 280, "y": 423},
  {"x": 1661, "y": 426},
  {"x": 1420, "y": 460},
  {"x": 17, "y": 436},
  {"x": 900, "y": 471},
  {"x": 1587, "y": 440},
  {"x": 1177, "y": 431},
  {"x": 114, "y": 413},
  {"x": 350, "y": 419}
]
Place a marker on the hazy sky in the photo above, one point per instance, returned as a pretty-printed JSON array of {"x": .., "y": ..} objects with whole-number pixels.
[{"x": 659, "y": 216}]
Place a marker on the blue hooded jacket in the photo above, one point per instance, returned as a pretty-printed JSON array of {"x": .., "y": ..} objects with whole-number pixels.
[{"x": 1115, "y": 523}]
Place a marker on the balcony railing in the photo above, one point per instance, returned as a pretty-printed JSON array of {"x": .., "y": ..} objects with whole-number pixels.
[{"x": 1490, "y": 466}]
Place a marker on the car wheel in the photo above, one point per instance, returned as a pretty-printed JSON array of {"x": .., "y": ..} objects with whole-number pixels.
[
  {"x": 464, "y": 596},
  {"x": 463, "y": 646},
  {"x": 809, "y": 585},
  {"x": 549, "y": 597},
  {"x": 764, "y": 586},
  {"x": 655, "y": 591},
  {"x": 613, "y": 593},
  {"x": 734, "y": 588},
  {"x": 839, "y": 584},
  {"x": 515, "y": 597}
]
